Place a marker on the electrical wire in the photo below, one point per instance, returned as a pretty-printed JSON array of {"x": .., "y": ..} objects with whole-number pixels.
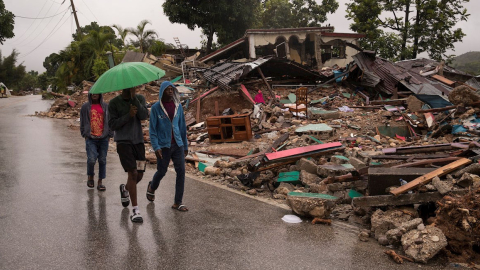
[
  {"x": 30, "y": 24},
  {"x": 16, "y": 16},
  {"x": 40, "y": 32},
  {"x": 24, "y": 41},
  {"x": 48, "y": 36},
  {"x": 91, "y": 11}
]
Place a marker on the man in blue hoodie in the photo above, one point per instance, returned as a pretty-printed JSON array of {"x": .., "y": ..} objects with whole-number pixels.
[
  {"x": 94, "y": 128},
  {"x": 168, "y": 135}
]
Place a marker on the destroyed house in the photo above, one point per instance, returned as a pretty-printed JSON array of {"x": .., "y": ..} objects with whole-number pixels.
[{"x": 315, "y": 47}]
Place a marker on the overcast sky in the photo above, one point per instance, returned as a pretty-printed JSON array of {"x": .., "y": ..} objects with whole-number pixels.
[{"x": 36, "y": 39}]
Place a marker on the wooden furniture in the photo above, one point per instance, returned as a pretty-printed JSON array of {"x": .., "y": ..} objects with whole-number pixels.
[
  {"x": 229, "y": 128},
  {"x": 302, "y": 96}
]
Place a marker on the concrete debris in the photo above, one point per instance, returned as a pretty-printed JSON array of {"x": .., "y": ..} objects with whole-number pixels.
[
  {"x": 423, "y": 245},
  {"x": 382, "y": 221},
  {"x": 399, "y": 137},
  {"x": 311, "y": 206}
]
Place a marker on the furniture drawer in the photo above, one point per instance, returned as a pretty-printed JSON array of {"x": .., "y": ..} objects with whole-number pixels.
[
  {"x": 213, "y": 130},
  {"x": 238, "y": 121},
  {"x": 242, "y": 136},
  {"x": 213, "y": 122}
]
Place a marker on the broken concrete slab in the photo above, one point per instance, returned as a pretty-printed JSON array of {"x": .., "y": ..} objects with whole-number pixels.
[
  {"x": 311, "y": 204},
  {"x": 284, "y": 188},
  {"x": 394, "y": 236},
  {"x": 382, "y": 221},
  {"x": 334, "y": 170},
  {"x": 424, "y": 245},
  {"x": 317, "y": 129},
  {"x": 307, "y": 165},
  {"x": 307, "y": 178},
  {"x": 338, "y": 159},
  {"x": 357, "y": 163},
  {"x": 443, "y": 187},
  {"x": 473, "y": 168}
]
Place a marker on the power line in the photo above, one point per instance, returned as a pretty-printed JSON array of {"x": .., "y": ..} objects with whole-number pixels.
[
  {"x": 48, "y": 36},
  {"x": 43, "y": 17},
  {"x": 33, "y": 21},
  {"x": 25, "y": 42},
  {"x": 91, "y": 11}
]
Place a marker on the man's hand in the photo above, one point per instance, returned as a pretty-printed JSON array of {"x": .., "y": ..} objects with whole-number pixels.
[
  {"x": 133, "y": 110},
  {"x": 158, "y": 153},
  {"x": 133, "y": 90},
  {"x": 185, "y": 152}
]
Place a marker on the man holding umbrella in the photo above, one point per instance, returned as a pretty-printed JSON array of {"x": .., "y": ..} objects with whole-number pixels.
[{"x": 125, "y": 114}]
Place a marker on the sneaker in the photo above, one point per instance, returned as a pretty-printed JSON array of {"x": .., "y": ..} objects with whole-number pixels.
[
  {"x": 136, "y": 217},
  {"x": 124, "y": 195}
]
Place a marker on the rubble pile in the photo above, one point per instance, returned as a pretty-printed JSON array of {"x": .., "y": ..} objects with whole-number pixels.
[
  {"x": 392, "y": 153},
  {"x": 458, "y": 218}
]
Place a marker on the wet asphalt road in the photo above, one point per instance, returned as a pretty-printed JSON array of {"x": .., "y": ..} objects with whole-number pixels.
[{"x": 49, "y": 220}]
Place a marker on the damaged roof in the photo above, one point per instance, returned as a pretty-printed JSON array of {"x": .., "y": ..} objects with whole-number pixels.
[
  {"x": 386, "y": 76},
  {"x": 223, "y": 74}
]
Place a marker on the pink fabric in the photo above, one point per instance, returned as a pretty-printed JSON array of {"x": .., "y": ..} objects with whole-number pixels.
[{"x": 259, "y": 98}]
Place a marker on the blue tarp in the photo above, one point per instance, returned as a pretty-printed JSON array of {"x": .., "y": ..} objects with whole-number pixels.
[{"x": 434, "y": 101}]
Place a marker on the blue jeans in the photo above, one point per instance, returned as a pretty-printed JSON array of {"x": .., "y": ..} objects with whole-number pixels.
[
  {"x": 97, "y": 149},
  {"x": 177, "y": 155}
]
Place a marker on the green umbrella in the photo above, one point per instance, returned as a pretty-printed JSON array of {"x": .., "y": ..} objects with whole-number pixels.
[{"x": 126, "y": 75}]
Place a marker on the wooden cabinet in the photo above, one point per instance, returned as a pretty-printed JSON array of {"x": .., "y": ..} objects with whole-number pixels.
[{"x": 229, "y": 128}]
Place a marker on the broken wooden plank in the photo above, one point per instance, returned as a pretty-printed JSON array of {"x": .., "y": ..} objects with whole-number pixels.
[
  {"x": 389, "y": 102},
  {"x": 254, "y": 163},
  {"x": 404, "y": 199},
  {"x": 272, "y": 94},
  {"x": 243, "y": 90},
  {"x": 427, "y": 162},
  {"x": 425, "y": 179},
  {"x": 302, "y": 150},
  {"x": 437, "y": 109},
  {"x": 206, "y": 94},
  {"x": 220, "y": 154},
  {"x": 401, "y": 157},
  {"x": 198, "y": 112}
]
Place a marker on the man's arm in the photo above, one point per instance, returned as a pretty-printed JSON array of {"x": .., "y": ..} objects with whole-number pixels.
[
  {"x": 83, "y": 111},
  {"x": 115, "y": 120},
  {"x": 183, "y": 128},
  {"x": 152, "y": 129},
  {"x": 139, "y": 102}
]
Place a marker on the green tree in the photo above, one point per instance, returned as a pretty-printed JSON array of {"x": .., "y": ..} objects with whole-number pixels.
[
  {"x": 421, "y": 25},
  {"x": 43, "y": 81},
  {"x": 296, "y": 13},
  {"x": 227, "y": 19},
  {"x": 7, "y": 22},
  {"x": 142, "y": 34},
  {"x": 10, "y": 73},
  {"x": 99, "y": 67},
  {"x": 29, "y": 81},
  {"x": 122, "y": 33}
]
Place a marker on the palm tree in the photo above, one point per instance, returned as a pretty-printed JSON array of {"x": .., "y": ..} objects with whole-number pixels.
[
  {"x": 121, "y": 32},
  {"x": 142, "y": 34}
]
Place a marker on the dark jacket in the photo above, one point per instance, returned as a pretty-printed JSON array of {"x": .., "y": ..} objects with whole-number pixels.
[
  {"x": 127, "y": 129},
  {"x": 160, "y": 125},
  {"x": 85, "y": 113}
]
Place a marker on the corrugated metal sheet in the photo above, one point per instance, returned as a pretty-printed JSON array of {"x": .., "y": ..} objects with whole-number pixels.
[
  {"x": 133, "y": 57},
  {"x": 223, "y": 74},
  {"x": 473, "y": 83},
  {"x": 390, "y": 75}
]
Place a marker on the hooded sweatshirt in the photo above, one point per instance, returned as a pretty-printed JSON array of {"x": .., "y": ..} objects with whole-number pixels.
[
  {"x": 127, "y": 129},
  {"x": 85, "y": 113},
  {"x": 161, "y": 126}
]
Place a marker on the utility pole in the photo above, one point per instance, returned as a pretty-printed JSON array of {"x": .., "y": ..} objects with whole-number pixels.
[{"x": 76, "y": 18}]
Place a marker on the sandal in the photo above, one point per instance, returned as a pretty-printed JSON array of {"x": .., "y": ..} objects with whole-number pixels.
[
  {"x": 101, "y": 188},
  {"x": 150, "y": 195},
  {"x": 181, "y": 207},
  {"x": 90, "y": 184}
]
